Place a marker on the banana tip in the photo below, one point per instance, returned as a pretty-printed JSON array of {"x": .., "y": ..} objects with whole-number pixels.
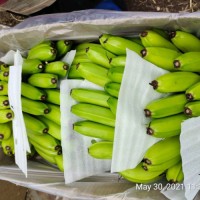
[
  {"x": 150, "y": 131},
  {"x": 154, "y": 83},
  {"x": 147, "y": 112},
  {"x": 189, "y": 96},
  {"x": 172, "y": 34},
  {"x": 144, "y": 34},
  {"x": 1, "y": 136},
  {"x": 147, "y": 161},
  {"x": 188, "y": 111},
  {"x": 143, "y": 52},
  {"x": 177, "y": 64}
]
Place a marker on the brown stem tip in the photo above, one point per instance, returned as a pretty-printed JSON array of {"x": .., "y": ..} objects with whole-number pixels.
[
  {"x": 144, "y": 34},
  {"x": 150, "y": 131},
  {"x": 154, "y": 83},
  {"x": 147, "y": 161},
  {"x": 177, "y": 64},
  {"x": 147, "y": 113},
  {"x": 188, "y": 111},
  {"x": 189, "y": 96},
  {"x": 54, "y": 80},
  {"x": 172, "y": 34},
  {"x": 143, "y": 52}
]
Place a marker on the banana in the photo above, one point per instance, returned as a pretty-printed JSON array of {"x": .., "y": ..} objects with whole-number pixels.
[
  {"x": 4, "y": 67},
  {"x": 112, "y": 102},
  {"x": 96, "y": 97},
  {"x": 162, "y": 32},
  {"x": 162, "y": 151},
  {"x": 47, "y": 43},
  {"x": 8, "y": 146},
  {"x": 50, "y": 159},
  {"x": 163, "y": 166},
  {"x": 175, "y": 82},
  {"x": 59, "y": 162},
  {"x": 6, "y": 115},
  {"x": 118, "y": 45},
  {"x": 53, "y": 96},
  {"x": 94, "y": 113},
  {"x": 166, "y": 127},
  {"x": 5, "y": 130},
  {"x": 100, "y": 56},
  {"x": 43, "y": 53},
  {"x": 45, "y": 141},
  {"x": 63, "y": 46},
  {"x": 101, "y": 150},
  {"x": 35, "y": 124},
  {"x": 4, "y": 102},
  {"x": 93, "y": 73},
  {"x": 151, "y": 38},
  {"x": 175, "y": 173},
  {"x": 34, "y": 107},
  {"x": 184, "y": 41},
  {"x": 4, "y": 75},
  {"x": 115, "y": 74},
  {"x": 188, "y": 62},
  {"x": 139, "y": 175},
  {"x": 54, "y": 114},
  {"x": 53, "y": 128},
  {"x": 59, "y": 68},
  {"x": 192, "y": 109},
  {"x": 45, "y": 150},
  {"x": 112, "y": 88},
  {"x": 192, "y": 93},
  {"x": 32, "y": 66},
  {"x": 81, "y": 59},
  {"x": 31, "y": 92},
  {"x": 81, "y": 52},
  {"x": 93, "y": 129},
  {"x": 84, "y": 45},
  {"x": 3, "y": 88},
  {"x": 166, "y": 106},
  {"x": 118, "y": 61},
  {"x": 73, "y": 73},
  {"x": 161, "y": 57},
  {"x": 43, "y": 80}
]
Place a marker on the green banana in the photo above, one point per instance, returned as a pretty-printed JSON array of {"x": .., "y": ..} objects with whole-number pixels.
[
  {"x": 93, "y": 73},
  {"x": 115, "y": 74},
  {"x": 4, "y": 102},
  {"x": 53, "y": 128},
  {"x": 151, "y": 38},
  {"x": 84, "y": 45},
  {"x": 119, "y": 61},
  {"x": 166, "y": 127},
  {"x": 43, "y": 80},
  {"x": 93, "y": 129},
  {"x": 100, "y": 56},
  {"x": 192, "y": 109},
  {"x": 35, "y": 124},
  {"x": 5, "y": 130},
  {"x": 54, "y": 114},
  {"x": 34, "y": 107},
  {"x": 53, "y": 96},
  {"x": 4, "y": 67},
  {"x": 59, "y": 162},
  {"x": 32, "y": 66},
  {"x": 31, "y": 92},
  {"x": 8, "y": 146},
  {"x": 162, "y": 32},
  {"x": 163, "y": 166},
  {"x": 43, "y": 53},
  {"x": 3, "y": 88},
  {"x": 184, "y": 41},
  {"x": 6, "y": 115},
  {"x": 101, "y": 150},
  {"x": 50, "y": 159},
  {"x": 59, "y": 68},
  {"x": 139, "y": 175},
  {"x": 94, "y": 113},
  {"x": 175, "y": 82},
  {"x": 112, "y": 102},
  {"x": 96, "y": 97},
  {"x": 162, "y": 151},
  {"x": 118, "y": 45},
  {"x": 81, "y": 52},
  {"x": 188, "y": 62},
  {"x": 45, "y": 141},
  {"x": 4, "y": 75},
  {"x": 81, "y": 59},
  {"x": 63, "y": 46},
  {"x": 161, "y": 57},
  {"x": 166, "y": 106},
  {"x": 112, "y": 88},
  {"x": 73, "y": 73},
  {"x": 192, "y": 93},
  {"x": 48, "y": 152},
  {"x": 175, "y": 173}
]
